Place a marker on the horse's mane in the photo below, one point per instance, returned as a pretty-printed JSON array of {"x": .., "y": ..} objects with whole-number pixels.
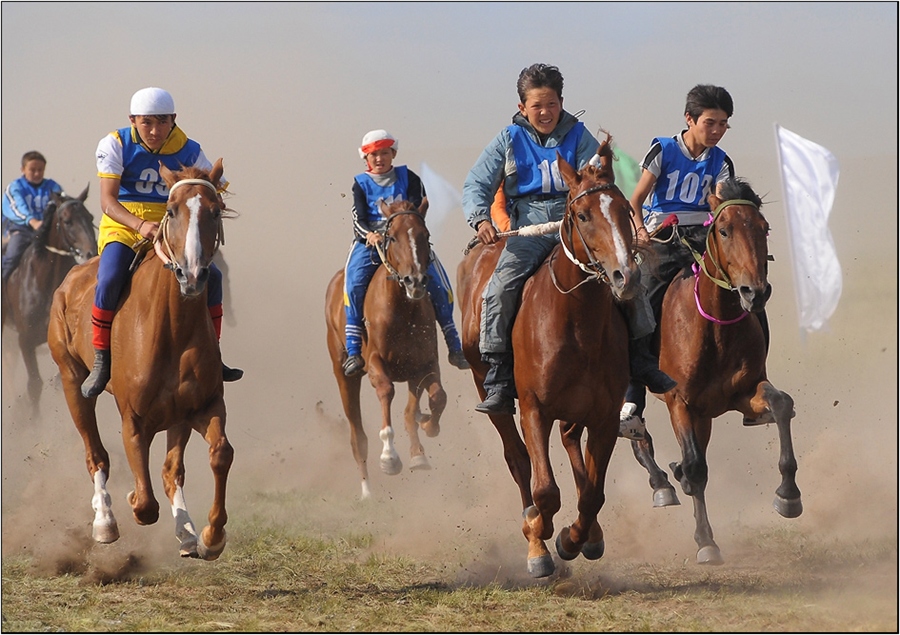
[
  {"x": 736, "y": 188},
  {"x": 43, "y": 234},
  {"x": 600, "y": 167}
]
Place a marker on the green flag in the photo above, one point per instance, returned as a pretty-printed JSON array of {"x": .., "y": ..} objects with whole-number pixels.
[{"x": 627, "y": 172}]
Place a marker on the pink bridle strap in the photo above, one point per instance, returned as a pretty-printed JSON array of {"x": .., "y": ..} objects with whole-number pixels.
[{"x": 715, "y": 320}]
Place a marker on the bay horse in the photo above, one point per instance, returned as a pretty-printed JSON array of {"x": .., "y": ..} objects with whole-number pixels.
[
  {"x": 713, "y": 344},
  {"x": 66, "y": 238},
  {"x": 570, "y": 349},
  {"x": 166, "y": 365},
  {"x": 399, "y": 341}
]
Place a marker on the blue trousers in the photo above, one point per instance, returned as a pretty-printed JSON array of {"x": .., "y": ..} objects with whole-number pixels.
[
  {"x": 362, "y": 263},
  {"x": 112, "y": 275},
  {"x": 19, "y": 239}
]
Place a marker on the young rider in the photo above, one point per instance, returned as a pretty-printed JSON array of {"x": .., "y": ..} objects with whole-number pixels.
[
  {"x": 133, "y": 199},
  {"x": 523, "y": 157},
  {"x": 383, "y": 181}
]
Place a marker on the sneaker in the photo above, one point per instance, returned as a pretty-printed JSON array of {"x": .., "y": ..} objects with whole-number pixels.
[
  {"x": 354, "y": 366},
  {"x": 231, "y": 374},
  {"x": 497, "y": 403},
  {"x": 458, "y": 359},
  {"x": 631, "y": 426}
]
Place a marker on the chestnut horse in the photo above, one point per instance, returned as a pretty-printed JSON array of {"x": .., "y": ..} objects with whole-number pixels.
[
  {"x": 570, "y": 345},
  {"x": 65, "y": 238},
  {"x": 713, "y": 345},
  {"x": 166, "y": 365},
  {"x": 399, "y": 343}
]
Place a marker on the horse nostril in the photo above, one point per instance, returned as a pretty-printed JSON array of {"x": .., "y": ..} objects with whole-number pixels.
[{"x": 618, "y": 278}]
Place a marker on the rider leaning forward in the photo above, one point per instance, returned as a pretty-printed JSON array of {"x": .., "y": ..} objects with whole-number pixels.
[
  {"x": 133, "y": 199},
  {"x": 523, "y": 157}
]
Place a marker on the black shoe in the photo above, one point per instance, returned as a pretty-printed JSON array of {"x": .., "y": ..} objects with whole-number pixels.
[
  {"x": 458, "y": 359},
  {"x": 645, "y": 367},
  {"x": 99, "y": 377},
  {"x": 497, "y": 403},
  {"x": 231, "y": 374},
  {"x": 354, "y": 366}
]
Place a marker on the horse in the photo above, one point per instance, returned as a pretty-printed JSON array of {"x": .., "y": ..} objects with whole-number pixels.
[
  {"x": 166, "y": 366},
  {"x": 66, "y": 238},
  {"x": 399, "y": 343},
  {"x": 570, "y": 346},
  {"x": 713, "y": 344}
]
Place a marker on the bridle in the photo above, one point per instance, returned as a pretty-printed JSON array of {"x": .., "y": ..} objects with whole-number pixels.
[
  {"x": 724, "y": 281},
  {"x": 383, "y": 245},
  {"x": 162, "y": 236},
  {"x": 71, "y": 251}
]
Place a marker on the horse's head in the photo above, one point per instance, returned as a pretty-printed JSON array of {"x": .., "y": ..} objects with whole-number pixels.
[
  {"x": 597, "y": 228},
  {"x": 191, "y": 231},
  {"x": 737, "y": 242},
  {"x": 68, "y": 227},
  {"x": 405, "y": 250}
]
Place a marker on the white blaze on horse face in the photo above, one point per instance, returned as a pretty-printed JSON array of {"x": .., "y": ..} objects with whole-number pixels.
[
  {"x": 618, "y": 239},
  {"x": 193, "y": 249},
  {"x": 412, "y": 246}
]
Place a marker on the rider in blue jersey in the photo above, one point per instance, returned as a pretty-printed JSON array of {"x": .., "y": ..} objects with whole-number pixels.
[{"x": 383, "y": 181}]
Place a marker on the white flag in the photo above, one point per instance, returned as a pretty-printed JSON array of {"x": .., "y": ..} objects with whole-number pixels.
[
  {"x": 809, "y": 175},
  {"x": 443, "y": 198}
]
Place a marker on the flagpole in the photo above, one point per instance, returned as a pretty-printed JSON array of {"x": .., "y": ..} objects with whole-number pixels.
[{"x": 791, "y": 230}]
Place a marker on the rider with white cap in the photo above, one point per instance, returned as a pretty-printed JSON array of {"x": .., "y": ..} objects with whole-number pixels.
[
  {"x": 133, "y": 199},
  {"x": 383, "y": 181}
]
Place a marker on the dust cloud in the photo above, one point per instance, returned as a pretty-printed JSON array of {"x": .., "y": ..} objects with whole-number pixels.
[{"x": 291, "y": 439}]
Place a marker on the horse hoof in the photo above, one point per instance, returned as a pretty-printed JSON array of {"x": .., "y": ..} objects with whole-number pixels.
[
  {"x": 431, "y": 428},
  {"x": 593, "y": 550},
  {"x": 709, "y": 554},
  {"x": 565, "y": 555},
  {"x": 419, "y": 462},
  {"x": 665, "y": 497},
  {"x": 189, "y": 549},
  {"x": 391, "y": 466},
  {"x": 541, "y": 567},
  {"x": 105, "y": 532},
  {"x": 789, "y": 508},
  {"x": 205, "y": 552}
]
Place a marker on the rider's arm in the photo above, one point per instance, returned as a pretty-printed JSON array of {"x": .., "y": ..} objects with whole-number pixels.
[
  {"x": 482, "y": 182},
  {"x": 110, "y": 205},
  {"x": 641, "y": 191},
  {"x": 361, "y": 227}
]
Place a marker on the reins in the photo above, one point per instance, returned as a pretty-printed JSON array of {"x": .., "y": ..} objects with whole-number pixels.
[
  {"x": 71, "y": 251},
  {"x": 382, "y": 246}
]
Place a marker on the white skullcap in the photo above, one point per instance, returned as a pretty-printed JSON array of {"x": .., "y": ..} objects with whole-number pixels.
[
  {"x": 152, "y": 101},
  {"x": 376, "y": 140}
]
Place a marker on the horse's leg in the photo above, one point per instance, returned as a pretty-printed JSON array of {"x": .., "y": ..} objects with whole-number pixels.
[
  {"x": 105, "y": 529},
  {"x": 173, "y": 482},
  {"x": 781, "y": 405},
  {"x": 663, "y": 491},
  {"x": 437, "y": 402},
  {"x": 693, "y": 473},
  {"x": 144, "y": 505},
  {"x": 538, "y": 524},
  {"x": 221, "y": 455},
  {"x": 28, "y": 345},
  {"x": 384, "y": 389},
  {"x": 359, "y": 443},
  {"x": 411, "y": 415},
  {"x": 593, "y": 548}
]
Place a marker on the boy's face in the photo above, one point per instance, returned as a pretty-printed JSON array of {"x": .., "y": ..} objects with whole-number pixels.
[
  {"x": 542, "y": 108},
  {"x": 153, "y": 129},
  {"x": 709, "y": 128},
  {"x": 33, "y": 171},
  {"x": 380, "y": 161}
]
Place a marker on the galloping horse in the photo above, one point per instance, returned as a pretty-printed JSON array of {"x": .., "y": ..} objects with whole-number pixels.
[
  {"x": 166, "y": 365},
  {"x": 399, "y": 344},
  {"x": 65, "y": 238},
  {"x": 570, "y": 345},
  {"x": 713, "y": 345}
]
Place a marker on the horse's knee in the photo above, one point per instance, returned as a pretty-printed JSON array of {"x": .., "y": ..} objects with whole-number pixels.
[
  {"x": 546, "y": 497},
  {"x": 146, "y": 512}
]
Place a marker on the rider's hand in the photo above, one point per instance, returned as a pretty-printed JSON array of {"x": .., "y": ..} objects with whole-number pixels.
[
  {"x": 148, "y": 230},
  {"x": 486, "y": 233},
  {"x": 643, "y": 235},
  {"x": 372, "y": 239}
]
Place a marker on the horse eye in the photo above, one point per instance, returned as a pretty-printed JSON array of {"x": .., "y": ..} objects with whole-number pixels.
[
  {"x": 582, "y": 217},
  {"x": 169, "y": 212},
  {"x": 723, "y": 233}
]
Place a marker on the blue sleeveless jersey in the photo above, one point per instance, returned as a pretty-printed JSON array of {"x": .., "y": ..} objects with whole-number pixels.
[
  {"x": 684, "y": 184},
  {"x": 374, "y": 192},
  {"x": 140, "y": 179},
  {"x": 536, "y": 166}
]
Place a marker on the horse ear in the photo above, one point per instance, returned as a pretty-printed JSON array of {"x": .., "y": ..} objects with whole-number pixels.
[
  {"x": 384, "y": 208},
  {"x": 83, "y": 196},
  {"x": 167, "y": 175},
  {"x": 423, "y": 206},
  {"x": 714, "y": 201},
  {"x": 215, "y": 175},
  {"x": 569, "y": 175}
]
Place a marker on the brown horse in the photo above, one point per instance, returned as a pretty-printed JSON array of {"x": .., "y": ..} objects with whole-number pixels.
[
  {"x": 570, "y": 345},
  {"x": 712, "y": 343},
  {"x": 166, "y": 365},
  {"x": 399, "y": 344},
  {"x": 65, "y": 238}
]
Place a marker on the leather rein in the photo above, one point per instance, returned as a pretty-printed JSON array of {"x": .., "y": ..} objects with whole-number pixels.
[{"x": 383, "y": 245}]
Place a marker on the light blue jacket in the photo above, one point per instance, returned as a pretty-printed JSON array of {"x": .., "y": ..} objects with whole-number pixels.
[
  {"x": 497, "y": 163},
  {"x": 23, "y": 201}
]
